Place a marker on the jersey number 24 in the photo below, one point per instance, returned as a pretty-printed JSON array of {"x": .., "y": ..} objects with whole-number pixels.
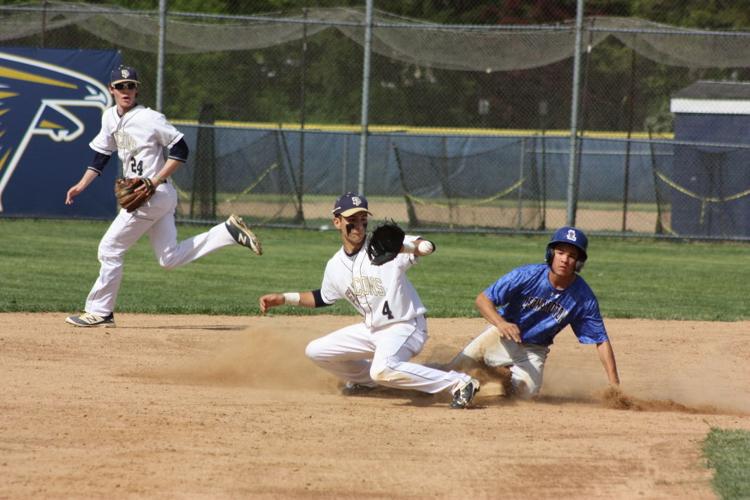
[{"x": 136, "y": 169}]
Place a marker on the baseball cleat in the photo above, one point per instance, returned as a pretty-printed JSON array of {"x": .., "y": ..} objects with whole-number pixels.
[
  {"x": 242, "y": 234},
  {"x": 464, "y": 394},
  {"x": 354, "y": 389},
  {"x": 92, "y": 320}
]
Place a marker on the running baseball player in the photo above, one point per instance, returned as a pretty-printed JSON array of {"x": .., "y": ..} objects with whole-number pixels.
[
  {"x": 377, "y": 350},
  {"x": 139, "y": 135},
  {"x": 529, "y": 306}
]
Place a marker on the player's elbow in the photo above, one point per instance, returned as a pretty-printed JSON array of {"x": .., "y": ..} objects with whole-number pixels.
[{"x": 482, "y": 301}]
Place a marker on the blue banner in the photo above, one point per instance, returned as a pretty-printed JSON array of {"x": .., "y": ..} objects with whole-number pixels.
[{"x": 51, "y": 103}]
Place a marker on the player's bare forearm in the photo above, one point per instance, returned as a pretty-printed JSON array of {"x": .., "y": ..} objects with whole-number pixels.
[
  {"x": 607, "y": 357},
  {"x": 268, "y": 301},
  {"x": 87, "y": 178},
  {"x": 170, "y": 167},
  {"x": 489, "y": 312}
]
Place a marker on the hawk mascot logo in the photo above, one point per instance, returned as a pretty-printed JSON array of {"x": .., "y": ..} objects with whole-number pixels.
[{"x": 40, "y": 99}]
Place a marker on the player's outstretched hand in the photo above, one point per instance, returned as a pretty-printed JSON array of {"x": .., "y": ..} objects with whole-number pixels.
[{"x": 270, "y": 300}]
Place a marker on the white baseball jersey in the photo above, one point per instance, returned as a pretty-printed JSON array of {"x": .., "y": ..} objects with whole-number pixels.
[
  {"x": 139, "y": 137},
  {"x": 382, "y": 294}
]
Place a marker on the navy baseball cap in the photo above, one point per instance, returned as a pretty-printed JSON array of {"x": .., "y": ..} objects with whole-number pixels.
[
  {"x": 350, "y": 204},
  {"x": 572, "y": 236},
  {"x": 123, "y": 74}
]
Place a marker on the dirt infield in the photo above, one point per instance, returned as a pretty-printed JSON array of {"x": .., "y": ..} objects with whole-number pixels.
[{"x": 229, "y": 407}]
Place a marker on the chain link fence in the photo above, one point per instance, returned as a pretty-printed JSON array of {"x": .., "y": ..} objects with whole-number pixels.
[{"x": 468, "y": 125}]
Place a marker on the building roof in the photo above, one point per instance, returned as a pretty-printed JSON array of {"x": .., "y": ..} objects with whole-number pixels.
[
  {"x": 712, "y": 97},
  {"x": 709, "y": 89}
]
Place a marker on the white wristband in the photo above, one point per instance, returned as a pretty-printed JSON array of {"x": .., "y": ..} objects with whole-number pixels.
[
  {"x": 426, "y": 247},
  {"x": 291, "y": 298},
  {"x": 409, "y": 247}
]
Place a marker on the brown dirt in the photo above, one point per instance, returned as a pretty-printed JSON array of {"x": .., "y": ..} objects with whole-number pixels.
[{"x": 229, "y": 407}]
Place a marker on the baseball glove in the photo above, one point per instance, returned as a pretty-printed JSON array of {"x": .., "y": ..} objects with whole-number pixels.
[
  {"x": 385, "y": 243},
  {"x": 127, "y": 196}
]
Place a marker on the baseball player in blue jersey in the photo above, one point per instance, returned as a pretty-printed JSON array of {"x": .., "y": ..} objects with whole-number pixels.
[
  {"x": 529, "y": 306},
  {"x": 140, "y": 135},
  {"x": 378, "y": 350}
]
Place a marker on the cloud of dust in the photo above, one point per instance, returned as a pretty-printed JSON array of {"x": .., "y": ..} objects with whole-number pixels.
[
  {"x": 701, "y": 390},
  {"x": 571, "y": 384},
  {"x": 616, "y": 399},
  {"x": 668, "y": 397},
  {"x": 258, "y": 358}
]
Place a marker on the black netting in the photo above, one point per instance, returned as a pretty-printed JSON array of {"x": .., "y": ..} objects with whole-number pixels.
[{"x": 499, "y": 188}]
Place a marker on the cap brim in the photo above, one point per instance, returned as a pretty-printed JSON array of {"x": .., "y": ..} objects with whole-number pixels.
[
  {"x": 124, "y": 80},
  {"x": 352, "y": 211}
]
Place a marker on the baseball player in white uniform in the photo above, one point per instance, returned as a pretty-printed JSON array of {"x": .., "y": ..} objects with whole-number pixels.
[
  {"x": 140, "y": 135},
  {"x": 377, "y": 350}
]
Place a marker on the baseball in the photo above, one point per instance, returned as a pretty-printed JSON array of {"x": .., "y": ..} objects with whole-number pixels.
[{"x": 425, "y": 247}]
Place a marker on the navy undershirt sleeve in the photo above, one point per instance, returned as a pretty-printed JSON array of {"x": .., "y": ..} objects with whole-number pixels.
[{"x": 99, "y": 162}]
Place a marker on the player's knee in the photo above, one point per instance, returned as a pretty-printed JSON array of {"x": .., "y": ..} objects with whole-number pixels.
[
  {"x": 485, "y": 341},
  {"x": 314, "y": 351},
  {"x": 110, "y": 257}
]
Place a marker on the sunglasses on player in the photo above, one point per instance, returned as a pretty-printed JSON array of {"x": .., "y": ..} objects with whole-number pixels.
[{"x": 125, "y": 85}]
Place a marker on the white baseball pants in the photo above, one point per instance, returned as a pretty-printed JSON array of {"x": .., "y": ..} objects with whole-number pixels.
[
  {"x": 526, "y": 361},
  {"x": 156, "y": 218},
  {"x": 381, "y": 356}
]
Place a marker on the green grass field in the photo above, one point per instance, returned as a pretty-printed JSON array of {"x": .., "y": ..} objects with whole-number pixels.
[
  {"x": 50, "y": 266},
  {"x": 728, "y": 453}
]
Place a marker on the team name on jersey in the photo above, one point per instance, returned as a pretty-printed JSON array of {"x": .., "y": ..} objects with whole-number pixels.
[
  {"x": 365, "y": 285},
  {"x": 557, "y": 311},
  {"x": 125, "y": 142}
]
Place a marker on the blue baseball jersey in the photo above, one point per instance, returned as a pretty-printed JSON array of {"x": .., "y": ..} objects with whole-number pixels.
[{"x": 526, "y": 297}]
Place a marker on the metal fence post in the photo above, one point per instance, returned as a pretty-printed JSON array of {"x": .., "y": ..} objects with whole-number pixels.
[
  {"x": 365, "y": 98},
  {"x": 573, "y": 161},
  {"x": 160, "y": 54}
]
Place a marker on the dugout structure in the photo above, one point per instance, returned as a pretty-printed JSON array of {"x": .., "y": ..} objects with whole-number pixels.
[{"x": 709, "y": 189}]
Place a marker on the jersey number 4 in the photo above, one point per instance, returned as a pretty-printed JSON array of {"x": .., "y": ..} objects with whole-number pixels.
[{"x": 387, "y": 310}]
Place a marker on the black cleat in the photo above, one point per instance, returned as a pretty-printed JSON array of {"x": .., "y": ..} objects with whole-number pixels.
[
  {"x": 88, "y": 320},
  {"x": 355, "y": 389},
  {"x": 242, "y": 234},
  {"x": 463, "y": 395}
]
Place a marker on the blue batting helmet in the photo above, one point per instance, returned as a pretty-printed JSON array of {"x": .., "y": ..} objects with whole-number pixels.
[{"x": 572, "y": 236}]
